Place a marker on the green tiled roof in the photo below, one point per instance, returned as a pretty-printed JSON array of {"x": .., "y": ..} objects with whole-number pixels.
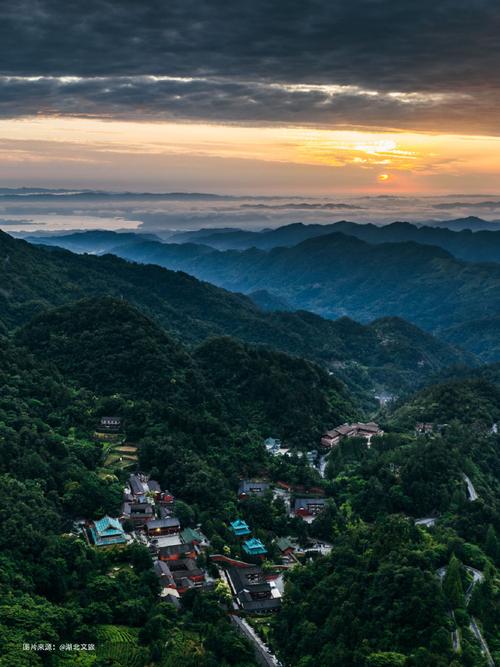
[
  {"x": 192, "y": 535},
  {"x": 283, "y": 543}
]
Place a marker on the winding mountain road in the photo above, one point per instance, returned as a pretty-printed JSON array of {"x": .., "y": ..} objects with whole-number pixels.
[{"x": 477, "y": 577}]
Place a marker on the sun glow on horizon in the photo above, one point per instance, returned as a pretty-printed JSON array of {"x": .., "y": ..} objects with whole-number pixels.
[{"x": 412, "y": 162}]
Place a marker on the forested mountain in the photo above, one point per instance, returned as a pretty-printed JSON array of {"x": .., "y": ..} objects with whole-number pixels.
[
  {"x": 108, "y": 346},
  {"x": 467, "y": 244},
  {"x": 489, "y": 372},
  {"x": 472, "y": 222},
  {"x": 337, "y": 274},
  {"x": 333, "y": 276},
  {"x": 474, "y": 399},
  {"x": 481, "y": 337},
  {"x": 473, "y": 245},
  {"x": 95, "y": 242},
  {"x": 394, "y": 355},
  {"x": 376, "y": 599}
]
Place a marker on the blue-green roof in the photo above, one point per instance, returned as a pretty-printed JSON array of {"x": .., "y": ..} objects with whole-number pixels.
[
  {"x": 240, "y": 527},
  {"x": 108, "y": 526},
  {"x": 107, "y": 531},
  {"x": 254, "y": 547}
]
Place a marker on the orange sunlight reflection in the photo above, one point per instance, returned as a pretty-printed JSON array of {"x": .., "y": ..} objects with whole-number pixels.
[{"x": 408, "y": 158}]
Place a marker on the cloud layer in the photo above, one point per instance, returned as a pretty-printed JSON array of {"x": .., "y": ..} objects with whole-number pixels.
[{"x": 430, "y": 65}]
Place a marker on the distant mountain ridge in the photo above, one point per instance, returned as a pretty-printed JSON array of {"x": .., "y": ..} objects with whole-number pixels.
[{"x": 474, "y": 246}]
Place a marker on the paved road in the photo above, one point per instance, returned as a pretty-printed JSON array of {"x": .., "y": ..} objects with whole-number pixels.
[
  {"x": 263, "y": 655},
  {"x": 484, "y": 646},
  {"x": 455, "y": 638},
  {"x": 426, "y": 521},
  {"x": 477, "y": 576},
  {"x": 470, "y": 489},
  {"x": 322, "y": 465}
]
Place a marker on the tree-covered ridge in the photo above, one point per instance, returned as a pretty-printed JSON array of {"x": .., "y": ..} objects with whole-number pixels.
[
  {"x": 364, "y": 356},
  {"x": 332, "y": 275},
  {"x": 469, "y": 400},
  {"x": 375, "y": 594},
  {"x": 108, "y": 346},
  {"x": 480, "y": 336}
]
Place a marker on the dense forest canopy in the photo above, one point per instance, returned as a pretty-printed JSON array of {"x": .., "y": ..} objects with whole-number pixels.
[{"x": 80, "y": 342}]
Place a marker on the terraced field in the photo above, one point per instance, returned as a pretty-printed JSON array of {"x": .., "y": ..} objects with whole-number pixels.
[
  {"x": 119, "y": 643},
  {"x": 120, "y": 456}
]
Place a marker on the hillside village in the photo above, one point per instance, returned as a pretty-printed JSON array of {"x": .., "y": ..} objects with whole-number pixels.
[
  {"x": 248, "y": 579},
  {"x": 183, "y": 557}
]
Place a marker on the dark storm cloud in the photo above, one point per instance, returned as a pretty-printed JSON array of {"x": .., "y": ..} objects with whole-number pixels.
[{"x": 447, "y": 51}]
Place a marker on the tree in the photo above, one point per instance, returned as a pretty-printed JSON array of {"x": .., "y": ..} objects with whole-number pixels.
[
  {"x": 491, "y": 546},
  {"x": 386, "y": 659},
  {"x": 452, "y": 583}
]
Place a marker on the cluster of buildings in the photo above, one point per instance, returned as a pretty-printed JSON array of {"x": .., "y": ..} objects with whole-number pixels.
[
  {"x": 148, "y": 516},
  {"x": 302, "y": 506},
  {"x": 357, "y": 430},
  {"x": 424, "y": 428}
]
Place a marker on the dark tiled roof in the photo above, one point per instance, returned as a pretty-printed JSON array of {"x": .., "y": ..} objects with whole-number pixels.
[
  {"x": 138, "y": 508},
  {"x": 185, "y": 567},
  {"x": 154, "y": 486},
  {"x": 249, "y": 486},
  {"x": 169, "y": 522},
  {"x": 163, "y": 571},
  {"x": 250, "y": 580},
  {"x": 267, "y": 604},
  {"x": 247, "y": 577},
  {"x": 136, "y": 485},
  {"x": 304, "y": 502}
]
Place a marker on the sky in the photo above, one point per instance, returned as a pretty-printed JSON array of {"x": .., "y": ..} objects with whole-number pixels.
[{"x": 312, "y": 97}]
